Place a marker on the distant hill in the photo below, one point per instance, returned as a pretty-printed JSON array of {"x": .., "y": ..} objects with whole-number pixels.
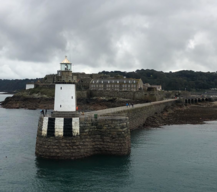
[
  {"x": 181, "y": 80},
  {"x": 7, "y": 85}
]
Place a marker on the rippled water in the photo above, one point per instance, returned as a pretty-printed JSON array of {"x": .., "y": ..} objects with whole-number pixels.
[{"x": 179, "y": 158}]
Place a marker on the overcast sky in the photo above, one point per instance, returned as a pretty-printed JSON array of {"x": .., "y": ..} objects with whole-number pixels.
[{"x": 96, "y": 35}]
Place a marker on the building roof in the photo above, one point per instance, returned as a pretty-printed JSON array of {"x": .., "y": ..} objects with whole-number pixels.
[
  {"x": 65, "y": 60},
  {"x": 122, "y": 80}
]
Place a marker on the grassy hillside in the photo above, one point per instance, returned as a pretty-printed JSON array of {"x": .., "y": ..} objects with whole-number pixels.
[{"x": 37, "y": 92}]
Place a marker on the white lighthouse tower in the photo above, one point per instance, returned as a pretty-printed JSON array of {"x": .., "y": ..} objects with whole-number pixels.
[
  {"x": 65, "y": 97},
  {"x": 65, "y": 91}
]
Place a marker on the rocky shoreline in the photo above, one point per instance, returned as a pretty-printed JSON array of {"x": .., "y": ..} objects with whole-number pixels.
[
  {"x": 17, "y": 102},
  {"x": 182, "y": 114}
]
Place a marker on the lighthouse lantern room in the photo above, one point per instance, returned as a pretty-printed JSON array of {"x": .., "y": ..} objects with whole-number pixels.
[{"x": 65, "y": 65}]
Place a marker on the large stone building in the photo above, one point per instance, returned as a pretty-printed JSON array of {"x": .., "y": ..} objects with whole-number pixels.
[{"x": 122, "y": 84}]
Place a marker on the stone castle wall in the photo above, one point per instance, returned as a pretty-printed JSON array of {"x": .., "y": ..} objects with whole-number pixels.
[
  {"x": 104, "y": 135},
  {"x": 133, "y": 95}
]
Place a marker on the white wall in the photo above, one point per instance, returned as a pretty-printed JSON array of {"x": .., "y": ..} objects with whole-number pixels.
[
  {"x": 65, "y": 97},
  {"x": 30, "y": 86}
]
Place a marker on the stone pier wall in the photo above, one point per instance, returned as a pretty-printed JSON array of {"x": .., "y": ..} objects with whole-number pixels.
[
  {"x": 138, "y": 116},
  {"x": 139, "y": 113},
  {"x": 104, "y": 135}
]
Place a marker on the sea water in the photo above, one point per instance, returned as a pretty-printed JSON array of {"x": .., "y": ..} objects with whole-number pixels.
[
  {"x": 3, "y": 96},
  {"x": 178, "y": 158}
]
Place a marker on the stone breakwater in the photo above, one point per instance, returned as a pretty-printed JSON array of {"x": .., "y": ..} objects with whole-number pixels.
[
  {"x": 138, "y": 113},
  {"x": 103, "y": 135},
  {"x": 99, "y": 132}
]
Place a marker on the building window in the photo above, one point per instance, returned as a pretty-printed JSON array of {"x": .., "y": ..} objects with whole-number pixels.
[
  {"x": 101, "y": 81},
  {"x": 129, "y": 81},
  {"x": 134, "y": 81},
  {"x": 93, "y": 81},
  {"x": 117, "y": 81},
  {"x": 124, "y": 81},
  {"x": 108, "y": 81}
]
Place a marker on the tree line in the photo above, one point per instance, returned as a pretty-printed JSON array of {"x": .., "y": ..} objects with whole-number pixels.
[
  {"x": 13, "y": 85},
  {"x": 180, "y": 80}
]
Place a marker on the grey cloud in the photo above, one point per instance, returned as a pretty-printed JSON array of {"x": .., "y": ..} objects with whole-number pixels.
[{"x": 120, "y": 34}]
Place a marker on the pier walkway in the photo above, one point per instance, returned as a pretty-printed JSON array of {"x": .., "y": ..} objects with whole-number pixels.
[{"x": 111, "y": 111}]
